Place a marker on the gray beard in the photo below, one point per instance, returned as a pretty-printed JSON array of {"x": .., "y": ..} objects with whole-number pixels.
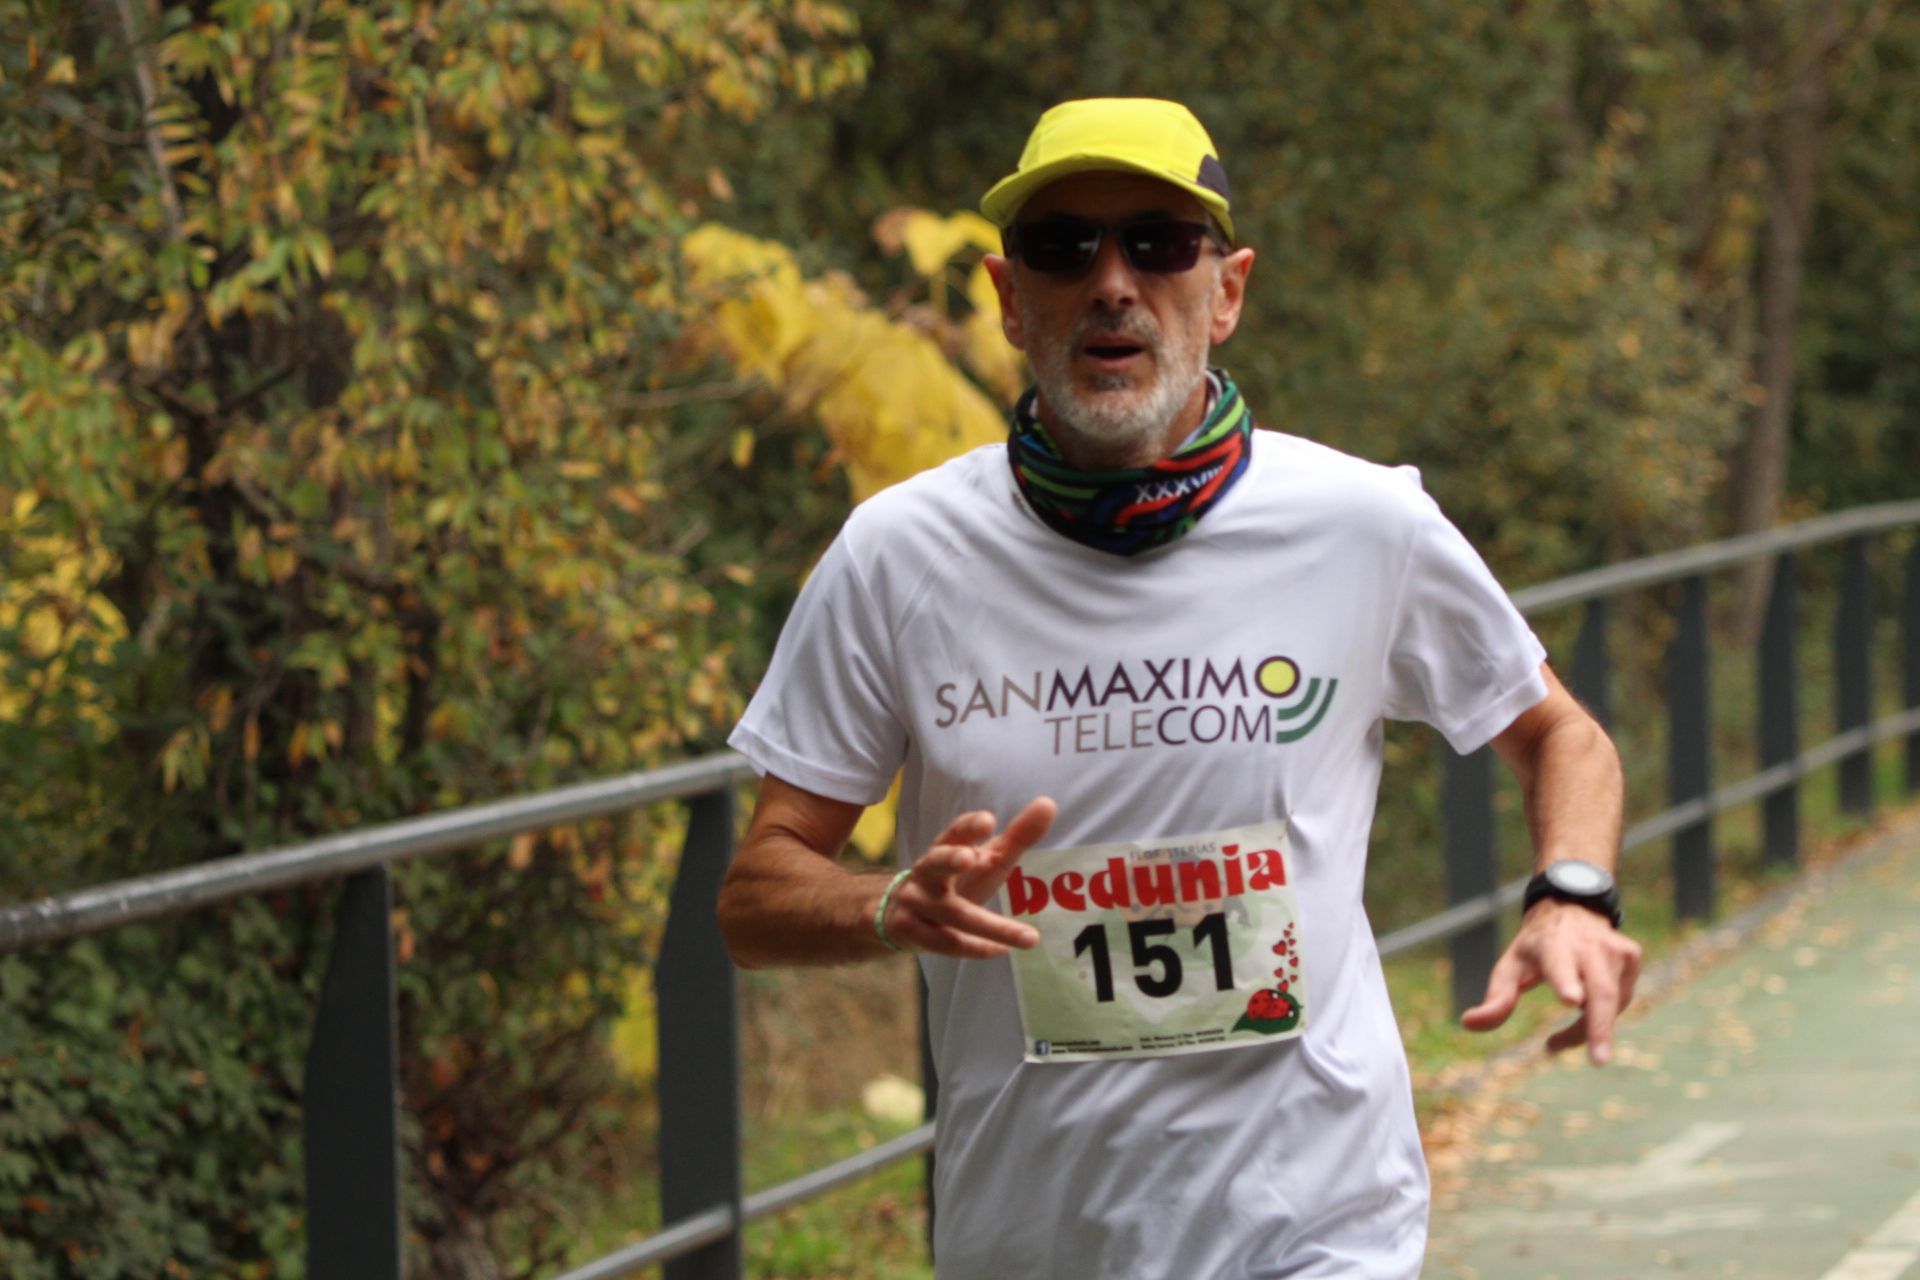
[{"x": 1117, "y": 430}]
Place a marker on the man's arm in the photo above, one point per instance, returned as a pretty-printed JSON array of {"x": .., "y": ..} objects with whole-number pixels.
[
  {"x": 1570, "y": 775},
  {"x": 787, "y": 901}
]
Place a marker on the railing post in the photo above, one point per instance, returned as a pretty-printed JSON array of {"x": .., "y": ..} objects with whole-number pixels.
[
  {"x": 1853, "y": 674},
  {"x": 1472, "y": 870},
  {"x": 697, "y": 998},
  {"x": 1910, "y": 658},
  {"x": 1690, "y": 753},
  {"x": 350, "y": 1104},
  {"x": 1779, "y": 697},
  {"x": 930, "y": 1086},
  {"x": 1590, "y": 675}
]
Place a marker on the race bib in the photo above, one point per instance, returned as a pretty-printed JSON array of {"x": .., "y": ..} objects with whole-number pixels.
[{"x": 1157, "y": 947}]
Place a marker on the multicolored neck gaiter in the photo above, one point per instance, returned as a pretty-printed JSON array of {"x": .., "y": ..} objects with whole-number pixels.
[{"x": 1134, "y": 509}]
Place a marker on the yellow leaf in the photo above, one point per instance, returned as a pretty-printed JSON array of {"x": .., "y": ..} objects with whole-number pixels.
[
  {"x": 252, "y": 546},
  {"x": 594, "y": 113},
  {"x": 106, "y": 615},
  {"x": 873, "y": 834},
  {"x": 932, "y": 241},
  {"x": 743, "y": 447},
  {"x": 636, "y": 1038},
  {"x": 887, "y": 396},
  {"x": 41, "y": 635},
  {"x": 184, "y": 758},
  {"x": 320, "y": 253},
  {"x": 148, "y": 344},
  {"x": 520, "y": 852}
]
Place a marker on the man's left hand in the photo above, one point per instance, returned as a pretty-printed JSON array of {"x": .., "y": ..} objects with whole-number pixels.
[{"x": 1589, "y": 964}]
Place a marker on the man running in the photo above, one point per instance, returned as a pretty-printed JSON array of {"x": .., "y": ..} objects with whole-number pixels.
[{"x": 1160, "y": 644}]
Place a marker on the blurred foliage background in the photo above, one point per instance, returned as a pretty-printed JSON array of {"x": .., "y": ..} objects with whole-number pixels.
[{"x": 408, "y": 403}]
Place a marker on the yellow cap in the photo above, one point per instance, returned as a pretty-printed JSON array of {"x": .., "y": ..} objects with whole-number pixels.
[{"x": 1161, "y": 139}]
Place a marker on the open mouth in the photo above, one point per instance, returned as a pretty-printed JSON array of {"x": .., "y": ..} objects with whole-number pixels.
[{"x": 1113, "y": 350}]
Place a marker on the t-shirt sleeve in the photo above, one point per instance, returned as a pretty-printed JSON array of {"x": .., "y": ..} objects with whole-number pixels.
[
  {"x": 827, "y": 716},
  {"x": 1461, "y": 657}
]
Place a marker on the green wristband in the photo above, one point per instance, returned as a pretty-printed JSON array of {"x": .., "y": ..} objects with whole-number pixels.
[{"x": 880, "y": 912}]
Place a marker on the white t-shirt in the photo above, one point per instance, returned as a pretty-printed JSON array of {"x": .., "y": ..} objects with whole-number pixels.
[{"x": 949, "y": 633}]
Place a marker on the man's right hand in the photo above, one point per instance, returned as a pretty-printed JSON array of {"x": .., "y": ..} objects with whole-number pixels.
[
  {"x": 940, "y": 906},
  {"x": 787, "y": 900}
]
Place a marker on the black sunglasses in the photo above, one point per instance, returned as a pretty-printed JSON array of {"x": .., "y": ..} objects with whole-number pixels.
[{"x": 1066, "y": 246}]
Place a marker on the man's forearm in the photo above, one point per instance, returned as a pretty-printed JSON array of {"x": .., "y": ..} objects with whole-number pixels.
[
  {"x": 1569, "y": 774},
  {"x": 1574, "y": 794},
  {"x": 787, "y": 904},
  {"x": 786, "y": 900}
]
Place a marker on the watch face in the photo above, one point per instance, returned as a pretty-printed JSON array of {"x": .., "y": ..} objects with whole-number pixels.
[{"x": 1571, "y": 876}]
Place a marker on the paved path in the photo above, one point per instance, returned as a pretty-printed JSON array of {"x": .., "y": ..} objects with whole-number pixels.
[{"x": 1762, "y": 1121}]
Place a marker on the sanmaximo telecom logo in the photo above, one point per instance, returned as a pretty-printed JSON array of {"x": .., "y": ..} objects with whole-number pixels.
[
  {"x": 1140, "y": 703},
  {"x": 1296, "y": 717}
]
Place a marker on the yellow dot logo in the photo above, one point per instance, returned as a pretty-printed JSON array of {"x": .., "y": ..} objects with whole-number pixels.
[{"x": 1277, "y": 677}]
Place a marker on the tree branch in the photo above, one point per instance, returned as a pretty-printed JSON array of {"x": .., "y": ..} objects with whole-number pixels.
[{"x": 145, "y": 80}]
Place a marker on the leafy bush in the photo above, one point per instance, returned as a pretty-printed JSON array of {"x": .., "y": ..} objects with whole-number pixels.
[{"x": 339, "y": 353}]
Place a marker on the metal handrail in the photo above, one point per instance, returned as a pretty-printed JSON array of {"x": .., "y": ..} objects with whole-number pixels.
[
  {"x": 109, "y": 906},
  {"x": 1472, "y": 912},
  {"x": 1727, "y": 553}
]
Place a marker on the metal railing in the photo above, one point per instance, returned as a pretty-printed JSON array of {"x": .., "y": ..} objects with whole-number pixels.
[
  {"x": 351, "y": 1086},
  {"x": 1476, "y": 896}
]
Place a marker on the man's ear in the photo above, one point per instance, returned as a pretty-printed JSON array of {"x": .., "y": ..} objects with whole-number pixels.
[
  {"x": 1001, "y": 271},
  {"x": 1231, "y": 293}
]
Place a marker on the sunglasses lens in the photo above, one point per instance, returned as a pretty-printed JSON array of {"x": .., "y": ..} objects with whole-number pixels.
[
  {"x": 1060, "y": 246},
  {"x": 1163, "y": 246},
  {"x": 1067, "y": 246}
]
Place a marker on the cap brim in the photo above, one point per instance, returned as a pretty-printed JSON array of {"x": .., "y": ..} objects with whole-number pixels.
[{"x": 1004, "y": 200}]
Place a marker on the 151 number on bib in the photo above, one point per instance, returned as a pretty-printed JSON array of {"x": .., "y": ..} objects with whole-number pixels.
[{"x": 1158, "y": 970}]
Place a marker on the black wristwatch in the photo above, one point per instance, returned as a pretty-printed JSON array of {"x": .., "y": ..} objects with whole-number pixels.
[{"x": 1581, "y": 883}]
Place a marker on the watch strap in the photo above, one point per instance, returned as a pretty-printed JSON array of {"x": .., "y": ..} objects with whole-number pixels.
[{"x": 1605, "y": 904}]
